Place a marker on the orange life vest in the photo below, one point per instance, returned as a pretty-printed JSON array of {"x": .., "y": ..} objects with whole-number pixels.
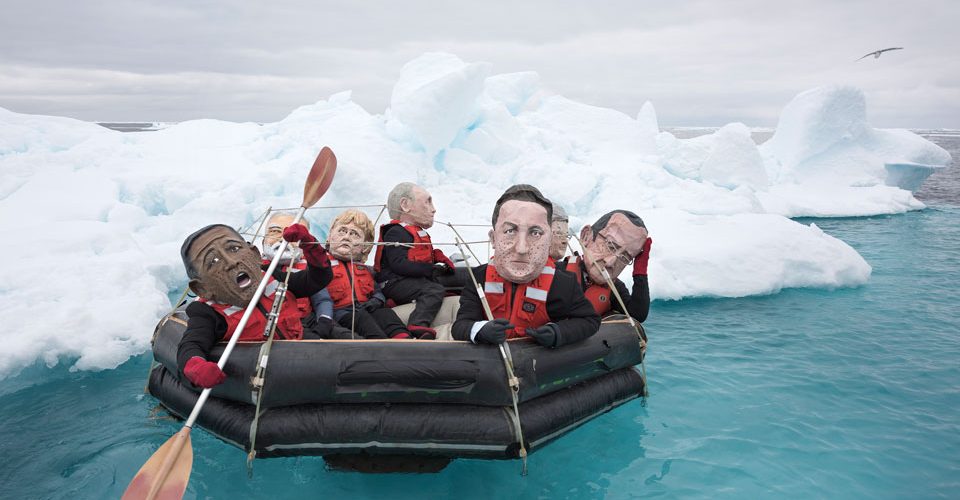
[
  {"x": 600, "y": 296},
  {"x": 528, "y": 305},
  {"x": 339, "y": 287},
  {"x": 303, "y": 303},
  {"x": 422, "y": 250},
  {"x": 288, "y": 324}
]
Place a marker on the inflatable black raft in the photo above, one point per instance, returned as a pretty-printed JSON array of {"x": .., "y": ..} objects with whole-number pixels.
[{"x": 443, "y": 399}]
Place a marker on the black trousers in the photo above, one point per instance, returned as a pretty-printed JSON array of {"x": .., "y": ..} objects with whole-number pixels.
[
  {"x": 454, "y": 283},
  {"x": 324, "y": 328},
  {"x": 379, "y": 324},
  {"x": 428, "y": 294}
]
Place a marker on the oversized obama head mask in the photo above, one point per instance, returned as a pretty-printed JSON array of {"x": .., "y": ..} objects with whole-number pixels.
[{"x": 221, "y": 266}]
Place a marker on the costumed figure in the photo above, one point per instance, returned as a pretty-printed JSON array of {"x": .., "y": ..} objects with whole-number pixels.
[
  {"x": 406, "y": 263},
  {"x": 358, "y": 302},
  {"x": 561, "y": 233},
  {"x": 526, "y": 296},
  {"x": 317, "y": 310},
  {"x": 224, "y": 272},
  {"x": 614, "y": 241}
]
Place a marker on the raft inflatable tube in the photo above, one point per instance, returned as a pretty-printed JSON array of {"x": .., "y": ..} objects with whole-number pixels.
[{"x": 404, "y": 397}]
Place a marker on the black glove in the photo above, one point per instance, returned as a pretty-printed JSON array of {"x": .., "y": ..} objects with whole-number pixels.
[
  {"x": 494, "y": 332},
  {"x": 324, "y": 327},
  {"x": 441, "y": 269},
  {"x": 372, "y": 305},
  {"x": 546, "y": 335}
]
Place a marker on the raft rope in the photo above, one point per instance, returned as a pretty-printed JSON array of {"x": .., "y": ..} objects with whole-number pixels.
[
  {"x": 353, "y": 300},
  {"x": 641, "y": 336},
  {"x": 263, "y": 220},
  {"x": 335, "y": 206},
  {"x": 460, "y": 239},
  {"x": 353, "y": 278},
  {"x": 411, "y": 244},
  {"x": 258, "y": 380},
  {"x": 464, "y": 225},
  {"x": 512, "y": 379}
]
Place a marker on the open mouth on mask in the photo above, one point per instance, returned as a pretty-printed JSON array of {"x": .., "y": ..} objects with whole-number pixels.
[{"x": 243, "y": 279}]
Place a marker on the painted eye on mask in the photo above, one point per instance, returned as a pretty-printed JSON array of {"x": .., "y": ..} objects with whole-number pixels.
[
  {"x": 212, "y": 261},
  {"x": 621, "y": 255}
]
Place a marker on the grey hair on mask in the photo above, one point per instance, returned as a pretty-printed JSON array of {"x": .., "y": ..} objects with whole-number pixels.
[
  {"x": 401, "y": 191},
  {"x": 559, "y": 214},
  {"x": 603, "y": 221},
  {"x": 522, "y": 192},
  {"x": 289, "y": 213}
]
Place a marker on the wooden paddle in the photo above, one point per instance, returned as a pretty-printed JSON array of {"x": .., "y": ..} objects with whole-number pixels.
[{"x": 166, "y": 473}]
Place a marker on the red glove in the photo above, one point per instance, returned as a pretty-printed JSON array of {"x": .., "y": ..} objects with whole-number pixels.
[
  {"x": 640, "y": 262},
  {"x": 440, "y": 258},
  {"x": 313, "y": 252},
  {"x": 203, "y": 373}
]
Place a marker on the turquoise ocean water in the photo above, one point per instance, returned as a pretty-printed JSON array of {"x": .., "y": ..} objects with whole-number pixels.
[{"x": 846, "y": 393}]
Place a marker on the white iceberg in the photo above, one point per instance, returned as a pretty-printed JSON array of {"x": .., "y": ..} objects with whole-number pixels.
[{"x": 101, "y": 214}]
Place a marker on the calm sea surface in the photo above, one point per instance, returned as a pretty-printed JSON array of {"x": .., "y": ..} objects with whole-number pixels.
[{"x": 847, "y": 393}]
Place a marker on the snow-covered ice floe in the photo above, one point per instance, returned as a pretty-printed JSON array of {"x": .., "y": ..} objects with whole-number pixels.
[{"x": 101, "y": 214}]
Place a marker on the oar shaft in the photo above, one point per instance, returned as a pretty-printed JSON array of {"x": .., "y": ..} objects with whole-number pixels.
[{"x": 243, "y": 321}]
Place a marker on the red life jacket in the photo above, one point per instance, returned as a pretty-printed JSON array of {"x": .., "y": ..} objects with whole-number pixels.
[
  {"x": 303, "y": 303},
  {"x": 527, "y": 307},
  {"x": 363, "y": 283},
  {"x": 288, "y": 324},
  {"x": 600, "y": 296},
  {"x": 422, "y": 250}
]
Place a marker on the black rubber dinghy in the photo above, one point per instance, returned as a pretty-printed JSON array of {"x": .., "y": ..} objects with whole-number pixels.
[{"x": 443, "y": 399}]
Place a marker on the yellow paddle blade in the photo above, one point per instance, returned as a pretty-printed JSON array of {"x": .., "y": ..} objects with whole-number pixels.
[
  {"x": 320, "y": 177},
  {"x": 166, "y": 473}
]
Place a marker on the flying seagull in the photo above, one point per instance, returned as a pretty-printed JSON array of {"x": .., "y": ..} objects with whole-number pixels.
[{"x": 876, "y": 55}]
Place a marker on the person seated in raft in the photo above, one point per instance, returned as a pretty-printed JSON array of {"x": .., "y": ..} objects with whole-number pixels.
[
  {"x": 357, "y": 300},
  {"x": 613, "y": 241},
  {"x": 526, "y": 296},
  {"x": 561, "y": 234},
  {"x": 224, "y": 272},
  {"x": 407, "y": 265},
  {"x": 317, "y": 310}
]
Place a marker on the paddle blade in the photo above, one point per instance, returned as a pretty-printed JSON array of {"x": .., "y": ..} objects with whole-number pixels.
[
  {"x": 166, "y": 473},
  {"x": 321, "y": 175}
]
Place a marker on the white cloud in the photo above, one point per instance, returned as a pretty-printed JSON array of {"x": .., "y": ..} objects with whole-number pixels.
[{"x": 704, "y": 63}]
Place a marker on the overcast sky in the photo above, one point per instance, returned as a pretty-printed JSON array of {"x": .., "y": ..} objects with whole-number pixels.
[{"x": 700, "y": 62}]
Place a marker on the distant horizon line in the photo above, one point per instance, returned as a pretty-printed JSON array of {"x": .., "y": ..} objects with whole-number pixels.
[{"x": 145, "y": 126}]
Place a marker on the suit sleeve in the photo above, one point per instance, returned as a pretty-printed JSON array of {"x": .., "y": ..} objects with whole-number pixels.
[
  {"x": 471, "y": 309},
  {"x": 395, "y": 257},
  {"x": 205, "y": 327},
  {"x": 638, "y": 302},
  {"x": 310, "y": 281},
  {"x": 570, "y": 310}
]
